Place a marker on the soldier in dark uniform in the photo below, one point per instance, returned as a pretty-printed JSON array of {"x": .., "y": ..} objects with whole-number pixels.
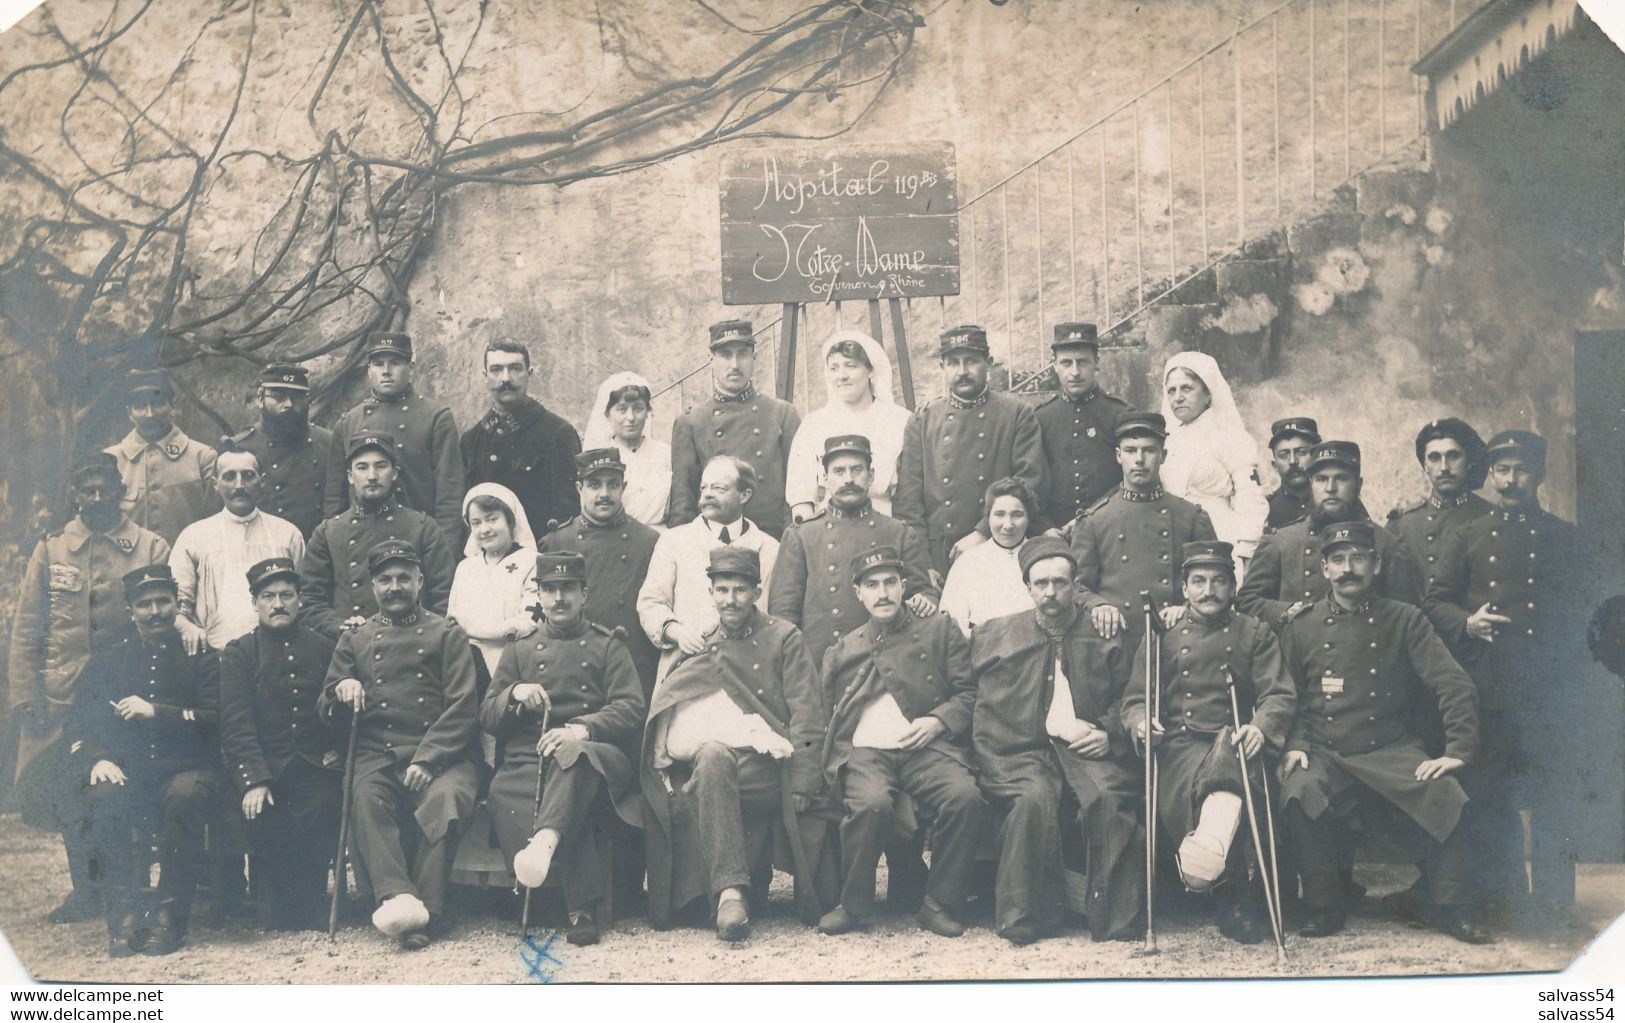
[
  {"x": 424, "y": 432},
  {"x": 144, "y": 739},
  {"x": 593, "y": 718},
  {"x": 1199, "y": 790},
  {"x": 520, "y": 444},
  {"x": 1454, "y": 457},
  {"x": 1078, "y": 426},
  {"x": 337, "y": 585},
  {"x": 1285, "y": 573},
  {"x": 409, "y": 673},
  {"x": 166, "y": 473},
  {"x": 955, "y": 446},
  {"x": 292, "y": 451},
  {"x": 1131, "y": 540},
  {"x": 1359, "y": 661},
  {"x": 736, "y": 421},
  {"x": 1510, "y": 598},
  {"x": 1291, "y": 441},
  {"x": 902, "y": 693},
  {"x": 283, "y": 758},
  {"x": 70, "y": 607}
]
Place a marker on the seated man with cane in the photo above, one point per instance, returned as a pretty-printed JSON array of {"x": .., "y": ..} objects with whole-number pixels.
[
  {"x": 565, "y": 706},
  {"x": 1199, "y": 786},
  {"x": 409, "y": 674}
]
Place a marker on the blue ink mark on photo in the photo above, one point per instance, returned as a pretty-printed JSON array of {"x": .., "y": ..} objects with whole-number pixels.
[{"x": 542, "y": 954}]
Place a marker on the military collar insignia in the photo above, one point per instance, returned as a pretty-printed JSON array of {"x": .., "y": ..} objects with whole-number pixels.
[
  {"x": 585, "y": 522},
  {"x": 743, "y": 396},
  {"x": 575, "y": 631},
  {"x": 357, "y": 511},
  {"x": 406, "y": 619},
  {"x": 977, "y": 402},
  {"x": 377, "y": 399},
  {"x": 1083, "y": 399},
  {"x": 1448, "y": 502},
  {"x": 896, "y": 626},
  {"x": 838, "y": 512},
  {"x": 1218, "y": 621},
  {"x": 1129, "y": 495},
  {"x": 1514, "y": 514},
  {"x": 744, "y": 630},
  {"x": 1364, "y": 607}
]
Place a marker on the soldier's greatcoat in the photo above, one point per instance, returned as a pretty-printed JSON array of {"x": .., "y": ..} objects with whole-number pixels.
[
  {"x": 295, "y": 473},
  {"x": 426, "y": 453},
  {"x": 1080, "y": 445},
  {"x": 1285, "y": 570},
  {"x": 336, "y": 583},
  {"x": 617, "y": 554},
  {"x": 757, "y": 428}
]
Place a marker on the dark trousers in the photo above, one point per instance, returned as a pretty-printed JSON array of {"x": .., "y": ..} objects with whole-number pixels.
[
  {"x": 869, "y": 784},
  {"x": 292, "y": 843},
  {"x": 123, "y": 818},
  {"x": 581, "y": 861},
  {"x": 1110, "y": 796},
  {"x": 402, "y": 858},
  {"x": 1321, "y": 848},
  {"x": 736, "y": 798},
  {"x": 1504, "y": 780},
  {"x": 1028, "y": 887}
]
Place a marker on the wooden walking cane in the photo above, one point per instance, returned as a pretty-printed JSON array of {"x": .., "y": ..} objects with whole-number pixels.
[
  {"x": 344, "y": 828},
  {"x": 535, "y": 809},
  {"x": 1270, "y": 892},
  {"x": 1153, "y": 679}
]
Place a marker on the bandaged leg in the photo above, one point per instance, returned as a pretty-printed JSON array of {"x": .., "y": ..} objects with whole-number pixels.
[
  {"x": 1201, "y": 856},
  {"x": 531, "y": 864},
  {"x": 399, "y": 914}
]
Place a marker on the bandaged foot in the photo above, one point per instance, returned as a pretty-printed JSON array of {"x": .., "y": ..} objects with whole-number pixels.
[
  {"x": 1202, "y": 854},
  {"x": 531, "y": 864},
  {"x": 399, "y": 914}
]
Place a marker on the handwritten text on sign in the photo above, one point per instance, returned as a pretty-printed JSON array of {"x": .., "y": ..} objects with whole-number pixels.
[{"x": 839, "y": 224}]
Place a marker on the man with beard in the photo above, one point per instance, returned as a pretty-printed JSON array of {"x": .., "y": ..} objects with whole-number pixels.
[
  {"x": 283, "y": 758},
  {"x": 755, "y": 428},
  {"x": 1129, "y": 541},
  {"x": 1510, "y": 598},
  {"x": 70, "y": 607},
  {"x": 593, "y": 717},
  {"x": 424, "y": 433},
  {"x": 1454, "y": 458},
  {"x": 409, "y": 673},
  {"x": 1285, "y": 574},
  {"x": 519, "y": 443},
  {"x": 338, "y": 592},
  {"x": 1291, "y": 440},
  {"x": 1047, "y": 719},
  {"x": 165, "y": 472},
  {"x": 212, "y": 556},
  {"x": 292, "y": 451},
  {"x": 1077, "y": 426},
  {"x": 147, "y": 758},
  {"x": 902, "y": 694},
  {"x": 1199, "y": 789},
  {"x": 1360, "y": 661},
  {"x": 955, "y": 446}
]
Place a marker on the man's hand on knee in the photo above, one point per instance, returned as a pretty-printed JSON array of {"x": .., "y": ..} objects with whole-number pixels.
[{"x": 417, "y": 778}]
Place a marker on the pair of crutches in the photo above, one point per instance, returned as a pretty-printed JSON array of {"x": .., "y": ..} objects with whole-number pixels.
[
  {"x": 1153, "y": 712},
  {"x": 1271, "y": 872},
  {"x": 535, "y": 807},
  {"x": 340, "y": 884}
]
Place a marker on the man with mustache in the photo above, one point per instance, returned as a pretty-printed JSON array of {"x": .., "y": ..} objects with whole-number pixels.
[
  {"x": 1360, "y": 661},
  {"x": 338, "y": 592},
  {"x": 165, "y": 472},
  {"x": 70, "y": 607},
  {"x": 955, "y": 446},
  {"x": 1510, "y": 598},
  {"x": 292, "y": 451},
  {"x": 519, "y": 443},
  {"x": 1285, "y": 574},
  {"x": 1454, "y": 458},
  {"x": 756, "y": 428},
  {"x": 1077, "y": 426},
  {"x": 409, "y": 673},
  {"x": 1047, "y": 717},
  {"x": 284, "y": 760},
  {"x": 1291, "y": 440},
  {"x": 212, "y": 556},
  {"x": 1129, "y": 541},
  {"x": 424, "y": 432},
  {"x": 147, "y": 757},
  {"x": 578, "y": 677}
]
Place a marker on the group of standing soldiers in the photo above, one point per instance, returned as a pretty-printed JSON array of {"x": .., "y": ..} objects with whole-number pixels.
[{"x": 754, "y": 688}]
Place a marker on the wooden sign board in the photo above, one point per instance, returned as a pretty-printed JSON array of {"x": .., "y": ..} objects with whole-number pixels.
[{"x": 839, "y": 223}]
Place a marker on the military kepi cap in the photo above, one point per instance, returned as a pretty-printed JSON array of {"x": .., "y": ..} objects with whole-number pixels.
[
  {"x": 1214, "y": 553},
  {"x": 561, "y": 566},
  {"x": 1041, "y": 547},
  {"x": 141, "y": 380},
  {"x": 385, "y": 551},
  {"x": 1335, "y": 452},
  {"x": 377, "y": 441},
  {"x": 145, "y": 577},
  {"x": 286, "y": 377},
  {"x": 1531, "y": 446},
  {"x": 730, "y": 332},
  {"x": 967, "y": 336},
  {"x": 400, "y": 344},
  {"x": 599, "y": 460},
  {"x": 94, "y": 462},
  {"x": 1360, "y": 534},
  {"x": 1069, "y": 335},
  {"x": 734, "y": 560},
  {"x": 1131, "y": 423},
  {"x": 262, "y": 572},
  {"x": 848, "y": 444},
  {"x": 1295, "y": 426},
  {"x": 866, "y": 561}
]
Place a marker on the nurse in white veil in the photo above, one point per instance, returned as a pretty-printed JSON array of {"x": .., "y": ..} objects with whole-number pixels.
[
  {"x": 622, "y": 417},
  {"x": 1211, "y": 459}
]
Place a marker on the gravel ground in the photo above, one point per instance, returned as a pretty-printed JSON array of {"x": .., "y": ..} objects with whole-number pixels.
[{"x": 485, "y": 947}]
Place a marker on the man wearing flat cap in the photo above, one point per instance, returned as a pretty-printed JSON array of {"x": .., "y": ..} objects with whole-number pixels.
[
  {"x": 1046, "y": 722},
  {"x": 424, "y": 433},
  {"x": 409, "y": 673},
  {"x": 1360, "y": 661},
  {"x": 1198, "y": 779},
  {"x": 901, "y": 693},
  {"x": 1291, "y": 441},
  {"x": 731, "y": 761},
  {"x": 70, "y": 606},
  {"x": 521, "y": 444},
  {"x": 565, "y": 701},
  {"x": 147, "y": 755},
  {"x": 292, "y": 451},
  {"x": 337, "y": 584},
  {"x": 1078, "y": 427},
  {"x": 1130, "y": 541},
  {"x": 166, "y": 473},
  {"x": 737, "y": 421},
  {"x": 1511, "y": 600},
  {"x": 284, "y": 760},
  {"x": 1455, "y": 460},
  {"x": 1285, "y": 573}
]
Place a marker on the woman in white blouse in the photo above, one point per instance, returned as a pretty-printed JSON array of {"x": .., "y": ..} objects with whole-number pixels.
[
  {"x": 621, "y": 417},
  {"x": 857, "y": 378},
  {"x": 1212, "y": 460},
  {"x": 985, "y": 582},
  {"x": 495, "y": 582}
]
